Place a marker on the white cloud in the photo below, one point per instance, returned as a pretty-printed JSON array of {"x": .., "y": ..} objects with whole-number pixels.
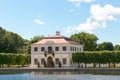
[
  {"x": 38, "y": 21},
  {"x": 105, "y": 13},
  {"x": 98, "y": 18},
  {"x": 88, "y": 26},
  {"x": 78, "y": 2}
]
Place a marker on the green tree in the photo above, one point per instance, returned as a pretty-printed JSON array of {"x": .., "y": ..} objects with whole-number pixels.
[
  {"x": 27, "y": 59},
  {"x": 88, "y": 40},
  {"x": 117, "y": 56},
  {"x": 2, "y": 33},
  {"x": 33, "y": 40},
  {"x": 26, "y": 47},
  {"x": 117, "y": 47},
  {"x": 20, "y": 60},
  {"x": 99, "y": 57},
  {"x": 36, "y": 39},
  {"x": 96, "y": 58},
  {"x": 10, "y": 42},
  {"x": 106, "y": 46},
  {"x": 1, "y": 60},
  {"x": 10, "y": 59},
  {"x": 76, "y": 58}
]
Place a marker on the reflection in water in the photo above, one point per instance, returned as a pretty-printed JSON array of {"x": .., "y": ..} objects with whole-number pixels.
[
  {"x": 52, "y": 73},
  {"x": 72, "y": 76},
  {"x": 57, "y": 76}
]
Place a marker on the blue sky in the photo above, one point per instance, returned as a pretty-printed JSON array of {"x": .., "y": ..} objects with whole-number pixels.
[{"x": 30, "y": 18}]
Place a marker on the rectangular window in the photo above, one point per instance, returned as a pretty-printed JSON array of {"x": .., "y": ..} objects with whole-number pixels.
[
  {"x": 57, "y": 61},
  {"x": 64, "y": 48},
  {"x": 80, "y": 48},
  {"x": 64, "y": 61},
  {"x": 42, "y": 49},
  {"x": 56, "y": 48},
  {"x": 35, "y": 61},
  {"x": 35, "y": 49},
  {"x": 42, "y": 61},
  {"x": 75, "y": 48},
  {"x": 70, "y": 48}
]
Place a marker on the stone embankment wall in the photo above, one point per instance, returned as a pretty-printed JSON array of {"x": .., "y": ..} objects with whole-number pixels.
[{"x": 78, "y": 70}]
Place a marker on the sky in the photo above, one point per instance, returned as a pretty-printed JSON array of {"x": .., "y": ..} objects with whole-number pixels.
[{"x": 30, "y": 18}]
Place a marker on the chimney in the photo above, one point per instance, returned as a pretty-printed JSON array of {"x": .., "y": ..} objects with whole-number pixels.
[{"x": 57, "y": 33}]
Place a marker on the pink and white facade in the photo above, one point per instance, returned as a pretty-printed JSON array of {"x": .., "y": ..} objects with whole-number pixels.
[{"x": 54, "y": 48}]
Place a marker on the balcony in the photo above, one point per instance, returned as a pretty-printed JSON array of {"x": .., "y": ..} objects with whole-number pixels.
[{"x": 49, "y": 52}]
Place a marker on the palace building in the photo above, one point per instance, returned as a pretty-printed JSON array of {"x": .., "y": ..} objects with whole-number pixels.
[{"x": 54, "y": 51}]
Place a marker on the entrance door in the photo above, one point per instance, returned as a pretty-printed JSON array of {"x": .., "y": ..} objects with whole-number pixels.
[
  {"x": 50, "y": 62},
  {"x": 50, "y": 49}
]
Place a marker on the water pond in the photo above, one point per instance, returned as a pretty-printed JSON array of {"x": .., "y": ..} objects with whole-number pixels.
[{"x": 57, "y": 76}]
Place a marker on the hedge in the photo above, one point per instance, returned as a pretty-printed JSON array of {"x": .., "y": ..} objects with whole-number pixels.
[
  {"x": 96, "y": 57},
  {"x": 14, "y": 59}
]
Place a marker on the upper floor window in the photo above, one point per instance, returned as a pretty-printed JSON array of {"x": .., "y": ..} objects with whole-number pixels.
[
  {"x": 80, "y": 48},
  {"x": 75, "y": 48},
  {"x": 64, "y": 48},
  {"x": 56, "y": 48},
  {"x": 42, "y": 49},
  {"x": 35, "y": 49}
]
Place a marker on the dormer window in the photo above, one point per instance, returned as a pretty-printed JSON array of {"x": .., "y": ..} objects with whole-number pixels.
[{"x": 35, "y": 49}]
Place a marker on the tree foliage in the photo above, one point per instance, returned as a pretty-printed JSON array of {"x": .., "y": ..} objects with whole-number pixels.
[
  {"x": 106, "y": 46},
  {"x": 10, "y": 42},
  {"x": 14, "y": 59},
  {"x": 33, "y": 40},
  {"x": 117, "y": 47},
  {"x": 88, "y": 40},
  {"x": 13, "y": 43},
  {"x": 36, "y": 39},
  {"x": 97, "y": 57}
]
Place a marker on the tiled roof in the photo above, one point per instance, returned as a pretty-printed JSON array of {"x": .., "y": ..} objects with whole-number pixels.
[{"x": 57, "y": 39}]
